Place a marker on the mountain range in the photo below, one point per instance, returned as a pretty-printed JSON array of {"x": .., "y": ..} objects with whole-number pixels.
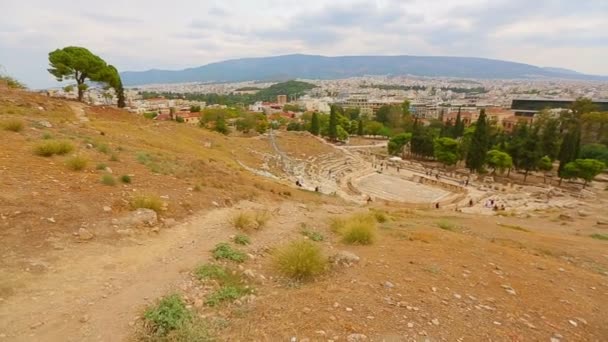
[{"x": 321, "y": 67}]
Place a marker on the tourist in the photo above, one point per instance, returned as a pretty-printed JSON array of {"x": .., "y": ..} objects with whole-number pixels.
[
  {"x": 471, "y": 202},
  {"x": 369, "y": 199},
  {"x": 436, "y": 205},
  {"x": 317, "y": 189}
]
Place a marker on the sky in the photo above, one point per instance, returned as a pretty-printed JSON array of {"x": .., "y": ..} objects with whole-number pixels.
[{"x": 140, "y": 35}]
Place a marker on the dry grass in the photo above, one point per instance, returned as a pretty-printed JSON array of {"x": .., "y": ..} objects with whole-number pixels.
[
  {"x": 108, "y": 179},
  {"x": 152, "y": 202},
  {"x": 49, "y": 148},
  {"x": 250, "y": 220},
  {"x": 13, "y": 125},
  {"x": 300, "y": 260},
  {"x": 359, "y": 229},
  {"x": 77, "y": 163}
]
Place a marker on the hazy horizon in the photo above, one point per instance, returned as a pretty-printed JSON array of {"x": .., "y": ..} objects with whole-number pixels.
[{"x": 138, "y": 35}]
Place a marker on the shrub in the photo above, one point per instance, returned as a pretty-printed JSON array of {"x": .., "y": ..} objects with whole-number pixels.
[
  {"x": 197, "y": 188},
  {"x": 114, "y": 157},
  {"x": 47, "y": 136},
  {"x": 103, "y": 148},
  {"x": 380, "y": 216},
  {"x": 51, "y": 147},
  {"x": 168, "y": 314},
  {"x": 225, "y": 293},
  {"x": 152, "y": 202},
  {"x": 242, "y": 240},
  {"x": 108, "y": 179},
  {"x": 125, "y": 179},
  {"x": 225, "y": 251},
  {"x": 446, "y": 225},
  {"x": 312, "y": 235},
  {"x": 101, "y": 166},
  {"x": 357, "y": 229},
  {"x": 261, "y": 219},
  {"x": 242, "y": 221},
  {"x": 300, "y": 260},
  {"x": 599, "y": 236},
  {"x": 77, "y": 163},
  {"x": 194, "y": 330},
  {"x": 359, "y": 233},
  {"x": 12, "y": 125}
]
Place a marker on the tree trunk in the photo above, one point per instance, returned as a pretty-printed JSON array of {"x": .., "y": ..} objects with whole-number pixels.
[
  {"x": 525, "y": 176},
  {"x": 80, "y": 94}
]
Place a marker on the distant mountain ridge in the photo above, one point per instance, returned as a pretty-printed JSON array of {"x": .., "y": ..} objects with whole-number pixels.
[{"x": 321, "y": 67}]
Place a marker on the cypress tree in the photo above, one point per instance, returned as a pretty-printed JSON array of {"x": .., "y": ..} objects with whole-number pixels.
[
  {"x": 458, "y": 126},
  {"x": 333, "y": 123},
  {"x": 569, "y": 149},
  {"x": 360, "y": 127},
  {"x": 479, "y": 144},
  {"x": 314, "y": 124}
]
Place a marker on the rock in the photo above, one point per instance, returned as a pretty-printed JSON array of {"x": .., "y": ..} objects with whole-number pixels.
[
  {"x": 140, "y": 217},
  {"x": 215, "y": 204},
  {"x": 345, "y": 257},
  {"x": 602, "y": 221},
  {"x": 125, "y": 232},
  {"x": 565, "y": 217},
  {"x": 107, "y": 209},
  {"x": 356, "y": 338},
  {"x": 349, "y": 309},
  {"x": 573, "y": 323},
  {"x": 320, "y": 332},
  {"x": 388, "y": 285},
  {"x": 108, "y": 170},
  {"x": 583, "y": 213},
  {"x": 410, "y": 325},
  {"x": 249, "y": 274},
  {"x": 84, "y": 234},
  {"x": 169, "y": 222},
  {"x": 45, "y": 123},
  {"x": 89, "y": 145},
  {"x": 84, "y": 319},
  {"x": 435, "y": 321},
  {"x": 51, "y": 219},
  {"x": 457, "y": 296},
  {"x": 509, "y": 290}
]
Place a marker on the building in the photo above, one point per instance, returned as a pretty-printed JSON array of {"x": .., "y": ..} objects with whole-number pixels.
[
  {"x": 282, "y": 99},
  {"x": 368, "y": 106},
  {"x": 529, "y": 107}
]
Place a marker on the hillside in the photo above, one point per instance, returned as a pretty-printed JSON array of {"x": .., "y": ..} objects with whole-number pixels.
[
  {"x": 321, "y": 67},
  {"x": 138, "y": 230}
]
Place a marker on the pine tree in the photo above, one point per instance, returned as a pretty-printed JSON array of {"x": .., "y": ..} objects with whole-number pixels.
[
  {"x": 458, "y": 126},
  {"x": 550, "y": 138},
  {"x": 479, "y": 144},
  {"x": 333, "y": 123},
  {"x": 569, "y": 149},
  {"x": 314, "y": 124}
]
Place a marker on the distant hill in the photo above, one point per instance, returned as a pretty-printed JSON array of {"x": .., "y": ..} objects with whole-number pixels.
[
  {"x": 320, "y": 67},
  {"x": 562, "y": 71}
]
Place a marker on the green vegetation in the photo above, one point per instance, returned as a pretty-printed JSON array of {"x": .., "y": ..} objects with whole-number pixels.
[
  {"x": 300, "y": 260},
  {"x": 459, "y": 90},
  {"x": 49, "y": 148},
  {"x": 77, "y": 163},
  {"x": 125, "y": 179},
  {"x": 226, "y": 293},
  {"x": 101, "y": 166},
  {"x": 312, "y": 234},
  {"x": 167, "y": 315},
  {"x": 380, "y": 216},
  {"x": 225, "y": 251},
  {"x": 103, "y": 148},
  {"x": 12, "y": 125},
  {"x": 242, "y": 240},
  {"x": 242, "y": 221},
  {"x": 358, "y": 229},
  {"x": 289, "y": 88},
  {"x": 446, "y": 225},
  {"x": 599, "y": 236},
  {"x": 586, "y": 169},
  {"x": 152, "y": 202},
  {"x": 11, "y": 82},
  {"x": 212, "y": 271},
  {"x": 108, "y": 179},
  {"x": 79, "y": 64}
]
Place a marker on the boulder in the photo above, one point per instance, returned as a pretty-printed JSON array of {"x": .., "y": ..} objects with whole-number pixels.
[
  {"x": 45, "y": 123},
  {"x": 345, "y": 257},
  {"x": 140, "y": 217},
  {"x": 583, "y": 213},
  {"x": 84, "y": 234},
  {"x": 602, "y": 221}
]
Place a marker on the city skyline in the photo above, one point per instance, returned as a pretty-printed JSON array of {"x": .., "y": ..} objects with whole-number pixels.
[{"x": 141, "y": 36}]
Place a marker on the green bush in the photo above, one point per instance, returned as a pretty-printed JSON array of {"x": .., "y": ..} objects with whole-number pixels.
[
  {"x": 125, "y": 179},
  {"x": 226, "y": 293},
  {"x": 49, "y": 148},
  {"x": 13, "y": 125},
  {"x": 101, "y": 166},
  {"x": 242, "y": 240},
  {"x": 47, "y": 136},
  {"x": 211, "y": 271},
  {"x": 599, "y": 236},
  {"x": 359, "y": 233},
  {"x": 380, "y": 216},
  {"x": 76, "y": 163},
  {"x": 108, "y": 179},
  {"x": 114, "y": 157},
  {"x": 446, "y": 225},
  {"x": 194, "y": 330},
  {"x": 225, "y": 251},
  {"x": 312, "y": 235},
  {"x": 300, "y": 260},
  {"x": 103, "y": 148},
  {"x": 152, "y": 202},
  {"x": 168, "y": 314}
]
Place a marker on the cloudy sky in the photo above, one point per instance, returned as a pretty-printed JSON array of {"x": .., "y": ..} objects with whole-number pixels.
[{"x": 141, "y": 35}]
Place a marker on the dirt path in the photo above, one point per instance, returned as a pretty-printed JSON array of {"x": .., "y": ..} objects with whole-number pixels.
[
  {"x": 97, "y": 290},
  {"x": 78, "y": 109}
]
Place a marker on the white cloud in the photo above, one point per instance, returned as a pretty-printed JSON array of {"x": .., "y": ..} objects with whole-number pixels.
[{"x": 139, "y": 35}]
